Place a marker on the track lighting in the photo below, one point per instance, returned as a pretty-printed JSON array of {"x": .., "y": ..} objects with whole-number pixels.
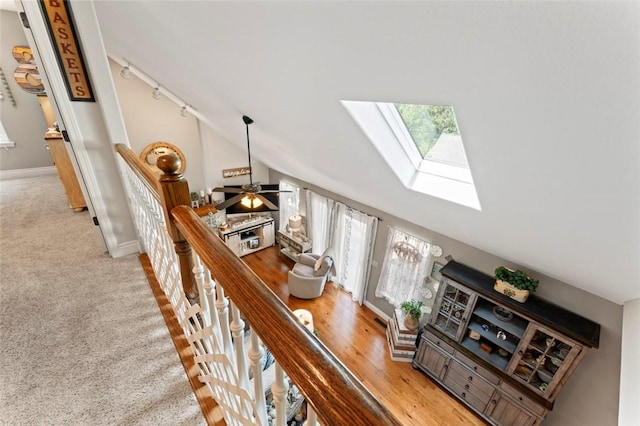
[
  {"x": 125, "y": 72},
  {"x": 156, "y": 93},
  {"x": 183, "y": 111}
]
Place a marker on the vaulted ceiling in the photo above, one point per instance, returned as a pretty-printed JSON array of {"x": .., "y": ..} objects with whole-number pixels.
[{"x": 547, "y": 97}]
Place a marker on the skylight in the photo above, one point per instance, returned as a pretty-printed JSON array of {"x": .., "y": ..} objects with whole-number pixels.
[{"x": 423, "y": 146}]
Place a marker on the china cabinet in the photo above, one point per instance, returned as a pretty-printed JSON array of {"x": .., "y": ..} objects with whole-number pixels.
[{"x": 505, "y": 360}]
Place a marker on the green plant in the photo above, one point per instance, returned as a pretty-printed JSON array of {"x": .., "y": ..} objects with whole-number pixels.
[
  {"x": 413, "y": 308},
  {"x": 518, "y": 279},
  {"x": 195, "y": 196}
]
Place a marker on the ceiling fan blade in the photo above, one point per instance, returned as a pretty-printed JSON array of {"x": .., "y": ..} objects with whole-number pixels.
[
  {"x": 266, "y": 202},
  {"x": 272, "y": 191},
  {"x": 229, "y": 190},
  {"x": 231, "y": 201}
]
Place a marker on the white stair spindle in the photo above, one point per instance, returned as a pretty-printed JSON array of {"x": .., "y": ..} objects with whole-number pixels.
[
  {"x": 209, "y": 309},
  {"x": 222, "y": 305},
  {"x": 312, "y": 417},
  {"x": 256, "y": 357},
  {"x": 237, "y": 330},
  {"x": 279, "y": 391},
  {"x": 198, "y": 273}
]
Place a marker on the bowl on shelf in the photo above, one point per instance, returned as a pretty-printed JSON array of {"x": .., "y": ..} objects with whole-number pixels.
[
  {"x": 502, "y": 314},
  {"x": 544, "y": 375}
]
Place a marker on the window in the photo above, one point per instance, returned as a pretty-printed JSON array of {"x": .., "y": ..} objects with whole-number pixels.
[
  {"x": 422, "y": 145},
  {"x": 403, "y": 271},
  {"x": 289, "y": 202}
]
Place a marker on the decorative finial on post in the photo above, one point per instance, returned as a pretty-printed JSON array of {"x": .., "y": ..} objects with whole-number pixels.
[{"x": 169, "y": 164}]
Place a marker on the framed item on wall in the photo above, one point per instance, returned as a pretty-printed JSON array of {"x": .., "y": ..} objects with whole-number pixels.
[
  {"x": 152, "y": 151},
  {"x": 435, "y": 271}
]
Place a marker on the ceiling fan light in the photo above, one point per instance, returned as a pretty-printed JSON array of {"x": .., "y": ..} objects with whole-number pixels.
[{"x": 250, "y": 201}]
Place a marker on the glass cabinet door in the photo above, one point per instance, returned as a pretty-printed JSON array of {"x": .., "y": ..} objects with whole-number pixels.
[
  {"x": 543, "y": 358},
  {"x": 452, "y": 308}
]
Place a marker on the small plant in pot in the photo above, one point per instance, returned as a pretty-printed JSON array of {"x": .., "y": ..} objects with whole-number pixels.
[
  {"x": 413, "y": 311},
  {"x": 514, "y": 284}
]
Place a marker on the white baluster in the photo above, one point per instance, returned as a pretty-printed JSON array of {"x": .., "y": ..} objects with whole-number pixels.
[
  {"x": 279, "y": 391},
  {"x": 237, "y": 330},
  {"x": 222, "y": 305},
  {"x": 312, "y": 417},
  {"x": 256, "y": 357},
  {"x": 198, "y": 273}
]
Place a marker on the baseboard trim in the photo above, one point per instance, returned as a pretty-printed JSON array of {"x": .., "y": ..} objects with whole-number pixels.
[
  {"x": 376, "y": 310},
  {"x": 125, "y": 249},
  {"x": 27, "y": 173}
]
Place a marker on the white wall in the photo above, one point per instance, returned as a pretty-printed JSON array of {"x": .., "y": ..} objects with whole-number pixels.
[
  {"x": 149, "y": 120},
  {"x": 630, "y": 377},
  {"x": 25, "y": 124}
]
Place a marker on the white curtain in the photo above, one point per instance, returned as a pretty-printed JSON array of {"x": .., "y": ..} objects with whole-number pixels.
[
  {"x": 289, "y": 202},
  {"x": 350, "y": 233},
  {"x": 405, "y": 263},
  {"x": 353, "y": 239},
  {"x": 320, "y": 214}
]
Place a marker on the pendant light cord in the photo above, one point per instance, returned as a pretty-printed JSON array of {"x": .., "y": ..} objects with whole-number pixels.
[{"x": 248, "y": 121}]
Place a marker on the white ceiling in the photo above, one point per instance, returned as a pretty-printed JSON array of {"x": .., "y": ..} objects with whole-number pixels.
[{"x": 547, "y": 96}]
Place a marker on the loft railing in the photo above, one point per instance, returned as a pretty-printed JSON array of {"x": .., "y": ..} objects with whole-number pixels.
[{"x": 238, "y": 320}]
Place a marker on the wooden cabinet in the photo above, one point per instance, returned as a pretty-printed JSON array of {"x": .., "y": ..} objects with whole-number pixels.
[
  {"x": 66, "y": 172},
  {"x": 249, "y": 236},
  {"x": 61, "y": 158},
  {"x": 505, "y": 360},
  {"x": 505, "y": 411},
  {"x": 432, "y": 358}
]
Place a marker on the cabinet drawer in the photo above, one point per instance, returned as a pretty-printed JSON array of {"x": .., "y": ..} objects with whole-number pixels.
[
  {"x": 488, "y": 376},
  {"x": 470, "y": 381},
  {"x": 522, "y": 399},
  {"x": 438, "y": 342},
  {"x": 465, "y": 394}
]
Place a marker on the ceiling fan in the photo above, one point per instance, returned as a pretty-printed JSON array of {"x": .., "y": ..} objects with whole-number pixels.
[{"x": 250, "y": 195}]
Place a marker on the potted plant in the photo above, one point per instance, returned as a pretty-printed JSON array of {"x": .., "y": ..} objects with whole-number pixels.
[
  {"x": 515, "y": 284},
  {"x": 413, "y": 311},
  {"x": 195, "y": 200}
]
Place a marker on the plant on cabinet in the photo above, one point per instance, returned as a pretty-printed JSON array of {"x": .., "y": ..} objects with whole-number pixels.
[{"x": 514, "y": 284}]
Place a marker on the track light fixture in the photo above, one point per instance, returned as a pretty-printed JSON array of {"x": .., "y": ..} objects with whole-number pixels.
[
  {"x": 156, "y": 93},
  {"x": 125, "y": 71},
  {"x": 183, "y": 111}
]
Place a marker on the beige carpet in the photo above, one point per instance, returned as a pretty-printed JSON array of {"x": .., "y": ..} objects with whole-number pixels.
[{"x": 82, "y": 341}]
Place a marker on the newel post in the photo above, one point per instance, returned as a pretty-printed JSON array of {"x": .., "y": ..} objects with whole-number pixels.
[{"x": 175, "y": 192}]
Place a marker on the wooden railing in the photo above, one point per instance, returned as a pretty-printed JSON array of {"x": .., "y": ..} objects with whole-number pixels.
[{"x": 235, "y": 307}]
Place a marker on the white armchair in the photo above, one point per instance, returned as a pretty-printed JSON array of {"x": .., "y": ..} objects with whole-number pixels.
[{"x": 310, "y": 274}]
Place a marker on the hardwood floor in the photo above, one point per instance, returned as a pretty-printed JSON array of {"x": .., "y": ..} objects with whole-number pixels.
[{"x": 352, "y": 334}]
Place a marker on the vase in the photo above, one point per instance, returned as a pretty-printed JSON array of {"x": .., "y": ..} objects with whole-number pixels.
[
  {"x": 410, "y": 323},
  {"x": 508, "y": 290}
]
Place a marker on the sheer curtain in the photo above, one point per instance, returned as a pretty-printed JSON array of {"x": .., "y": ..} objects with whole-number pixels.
[
  {"x": 350, "y": 234},
  {"x": 353, "y": 239},
  {"x": 289, "y": 202},
  {"x": 320, "y": 214},
  {"x": 405, "y": 262}
]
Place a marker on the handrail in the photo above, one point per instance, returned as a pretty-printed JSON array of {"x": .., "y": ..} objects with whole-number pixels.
[
  {"x": 336, "y": 395},
  {"x": 136, "y": 164}
]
